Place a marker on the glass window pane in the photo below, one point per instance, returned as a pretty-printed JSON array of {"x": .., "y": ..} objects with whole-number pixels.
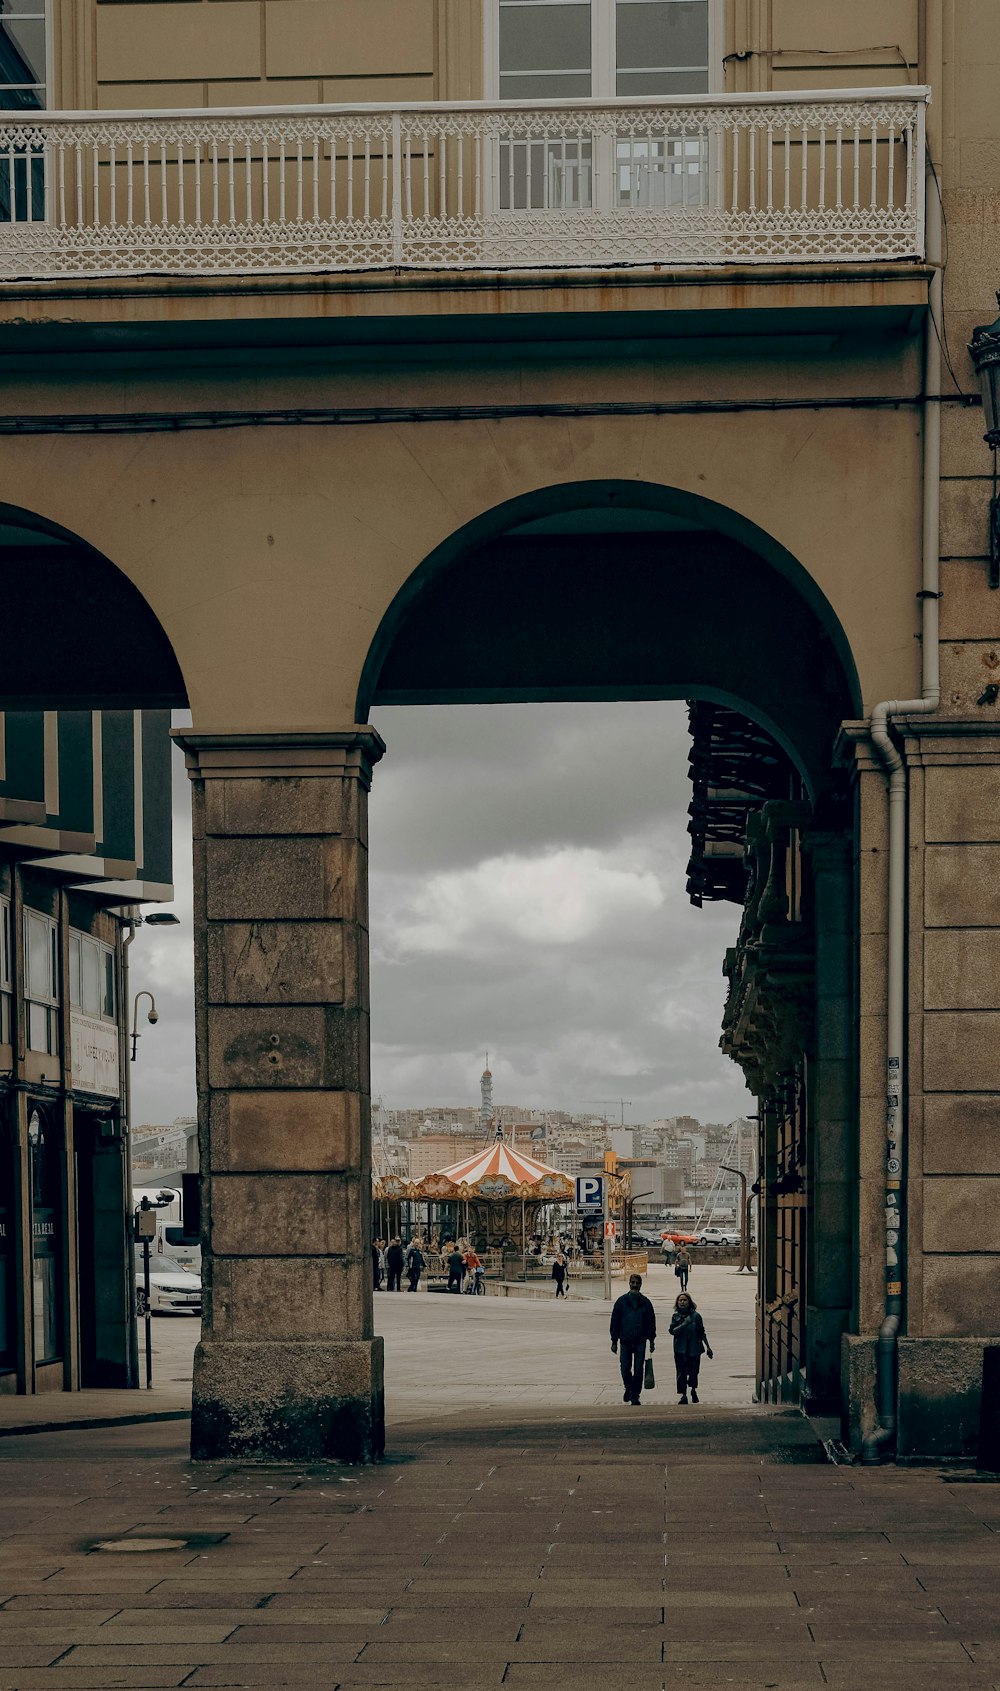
[
  {"x": 20, "y": 100},
  {"x": 22, "y": 49},
  {"x": 545, "y": 87},
  {"x": 659, "y": 34},
  {"x": 108, "y": 1006},
  {"x": 45, "y": 1308},
  {"x": 37, "y": 942},
  {"x": 75, "y": 970},
  {"x": 545, "y": 37},
  {"x": 91, "y": 978},
  {"x": 5, "y": 979},
  {"x": 640, "y": 83},
  {"x": 38, "y": 1028}
]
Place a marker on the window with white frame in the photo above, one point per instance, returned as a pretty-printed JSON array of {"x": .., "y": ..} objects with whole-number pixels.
[
  {"x": 575, "y": 49},
  {"x": 22, "y": 55},
  {"x": 92, "y": 976},
  {"x": 23, "y": 87},
  {"x": 578, "y": 49},
  {"x": 41, "y": 982},
  {"x": 6, "y": 976}
]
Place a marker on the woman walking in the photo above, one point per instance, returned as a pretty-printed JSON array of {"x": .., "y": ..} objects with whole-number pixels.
[
  {"x": 687, "y": 1329},
  {"x": 559, "y": 1275}
]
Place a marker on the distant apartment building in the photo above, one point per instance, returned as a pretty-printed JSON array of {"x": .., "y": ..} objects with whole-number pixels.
[{"x": 434, "y": 1151}]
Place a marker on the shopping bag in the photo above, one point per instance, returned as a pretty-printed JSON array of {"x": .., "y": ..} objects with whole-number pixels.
[{"x": 650, "y": 1378}]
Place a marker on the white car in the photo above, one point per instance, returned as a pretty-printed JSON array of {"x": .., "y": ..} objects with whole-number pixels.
[
  {"x": 173, "y": 1288},
  {"x": 719, "y": 1236}
]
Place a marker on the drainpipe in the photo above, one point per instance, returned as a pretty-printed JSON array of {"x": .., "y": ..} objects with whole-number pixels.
[{"x": 882, "y": 1439}]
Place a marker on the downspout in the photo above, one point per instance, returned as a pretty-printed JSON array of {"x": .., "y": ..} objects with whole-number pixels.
[
  {"x": 129, "y": 924},
  {"x": 882, "y": 1439}
]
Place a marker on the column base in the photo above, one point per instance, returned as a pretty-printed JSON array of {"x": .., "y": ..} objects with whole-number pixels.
[{"x": 295, "y": 1401}]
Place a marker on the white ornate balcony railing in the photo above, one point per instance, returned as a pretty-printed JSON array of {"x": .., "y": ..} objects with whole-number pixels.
[{"x": 725, "y": 180}]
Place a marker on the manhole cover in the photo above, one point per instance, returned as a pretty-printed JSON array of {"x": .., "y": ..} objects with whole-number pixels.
[{"x": 134, "y": 1545}]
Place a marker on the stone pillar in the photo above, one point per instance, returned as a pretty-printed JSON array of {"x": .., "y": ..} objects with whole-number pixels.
[
  {"x": 953, "y": 1080},
  {"x": 287, "y": 1367},
  {"x": 832, "y": 1151}
]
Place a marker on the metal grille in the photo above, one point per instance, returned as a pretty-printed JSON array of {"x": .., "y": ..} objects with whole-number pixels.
[{"x": 696, "y": 182}]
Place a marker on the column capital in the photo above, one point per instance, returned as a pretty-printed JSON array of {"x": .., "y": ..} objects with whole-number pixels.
[{"x": 301, "y": 754}]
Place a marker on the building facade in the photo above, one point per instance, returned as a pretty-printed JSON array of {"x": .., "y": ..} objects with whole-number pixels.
[
  {"x": 635, "y": 322},
  {"x": 79, "y": 847}
]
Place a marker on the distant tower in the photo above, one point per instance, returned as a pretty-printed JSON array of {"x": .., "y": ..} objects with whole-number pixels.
[{"x": 486, "y": 1096}]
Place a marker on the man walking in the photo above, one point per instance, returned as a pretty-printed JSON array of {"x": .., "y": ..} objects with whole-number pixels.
[
  {"x": 456, "y": 1269},
  {"x": 633, "y": 1326},
  {"x": 394, "y": 1261},
  {"x": 682, "y": 1265}
]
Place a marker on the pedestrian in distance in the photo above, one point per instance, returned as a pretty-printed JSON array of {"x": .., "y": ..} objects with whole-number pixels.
[
  {"x": 376, "y": 1264},
  {"x": 682, "y": 1265},
  {"x": 687, "y": 1329},
  {"x": 415, "y": 1264},
  {"x": 394, "y": 1262},
  {"x": 633, "y": 1326},
  {"x": 668, "y": 1251},
  {"x": 559, "y": 1272},
  {"x": 456, "y": 1269}
]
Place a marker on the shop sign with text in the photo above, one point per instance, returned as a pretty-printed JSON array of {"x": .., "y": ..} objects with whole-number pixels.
[{"x": 95, "y": 1055}]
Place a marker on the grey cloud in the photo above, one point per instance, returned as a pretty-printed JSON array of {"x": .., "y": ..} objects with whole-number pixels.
[{"x": 631, "y": 1008}]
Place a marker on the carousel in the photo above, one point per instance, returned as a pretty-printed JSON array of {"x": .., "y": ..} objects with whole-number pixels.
[{"x": 494, "y": 1198}]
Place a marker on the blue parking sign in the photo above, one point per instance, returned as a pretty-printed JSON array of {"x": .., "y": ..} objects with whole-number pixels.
[{"x": 590, "y": 1191}]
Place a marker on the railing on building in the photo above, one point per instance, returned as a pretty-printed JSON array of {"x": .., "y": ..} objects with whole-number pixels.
[{"x": 718, "y": 180}]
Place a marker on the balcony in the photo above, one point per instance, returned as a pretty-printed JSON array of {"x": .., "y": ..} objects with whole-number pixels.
[{"x": 726, "y": 180}]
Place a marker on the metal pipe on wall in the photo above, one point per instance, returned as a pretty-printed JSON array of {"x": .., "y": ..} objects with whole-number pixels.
[{"x": 881, "y": 1439}]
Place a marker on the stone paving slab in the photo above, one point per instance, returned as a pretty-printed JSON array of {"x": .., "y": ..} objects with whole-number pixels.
[{"x": 542, "y": 1546}]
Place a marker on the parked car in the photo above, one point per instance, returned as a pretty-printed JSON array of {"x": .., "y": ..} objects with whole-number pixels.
[
  {"x": 680, "y": 1238},
  {"x": 174, "y": 1289},
  {"x": 718, "y": 1236}
]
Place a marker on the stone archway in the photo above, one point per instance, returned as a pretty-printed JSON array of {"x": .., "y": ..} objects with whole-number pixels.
[{"x": 592, "y": 596}]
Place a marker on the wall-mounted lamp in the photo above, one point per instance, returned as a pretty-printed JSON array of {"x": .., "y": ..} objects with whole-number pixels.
[
  {"x": 985, "y": 350},
  {"x": 152, "y": 1017}
]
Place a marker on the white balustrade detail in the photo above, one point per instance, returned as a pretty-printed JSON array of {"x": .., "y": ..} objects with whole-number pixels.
[{"x": 724, "y": 180}]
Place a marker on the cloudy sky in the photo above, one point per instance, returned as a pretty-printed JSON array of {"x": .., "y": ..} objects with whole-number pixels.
[{"x": 527, "y": 867}]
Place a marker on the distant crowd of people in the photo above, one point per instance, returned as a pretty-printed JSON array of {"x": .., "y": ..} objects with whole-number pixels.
[{"x": 458, "y": 1259}]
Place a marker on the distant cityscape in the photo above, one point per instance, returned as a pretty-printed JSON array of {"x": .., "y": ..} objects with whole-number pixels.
[{"x": 676, "y": 1162}]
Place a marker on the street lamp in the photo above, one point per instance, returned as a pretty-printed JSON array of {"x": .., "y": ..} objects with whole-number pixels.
[
  {"x": 152, "y": 1017},
  {"x": 985, "y": 350}
]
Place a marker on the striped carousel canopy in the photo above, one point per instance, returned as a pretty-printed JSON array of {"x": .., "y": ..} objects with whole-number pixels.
[{"x": 497, "y": 1171}]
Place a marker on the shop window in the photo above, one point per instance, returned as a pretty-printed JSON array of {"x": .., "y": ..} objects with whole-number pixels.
[
  {"x": 41, "y": 976},
  {"x": 23, "y": 87},
  {"x": 45, "y": 1153},
  {"x": 92, "y": 986},
  {"x": 6, "y": 977}
]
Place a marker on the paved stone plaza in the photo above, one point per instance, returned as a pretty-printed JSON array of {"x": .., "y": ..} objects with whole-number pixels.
[{"x": 526, "y": 1529}]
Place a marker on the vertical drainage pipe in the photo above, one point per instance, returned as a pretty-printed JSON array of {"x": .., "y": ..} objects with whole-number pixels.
[{"x": 881, "y": 1441}]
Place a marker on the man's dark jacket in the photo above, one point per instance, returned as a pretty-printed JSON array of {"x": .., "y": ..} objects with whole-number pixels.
[
  {"x": 394, "y": 1259},
  {"x": 633, "y": 1319}
]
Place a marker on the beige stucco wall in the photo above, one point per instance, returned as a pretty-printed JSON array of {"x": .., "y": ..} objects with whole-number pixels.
[
  {"x": 153, "y": 54},
  {"x": 270, "y": 555},
  {"x": 161, "y": 53}
]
